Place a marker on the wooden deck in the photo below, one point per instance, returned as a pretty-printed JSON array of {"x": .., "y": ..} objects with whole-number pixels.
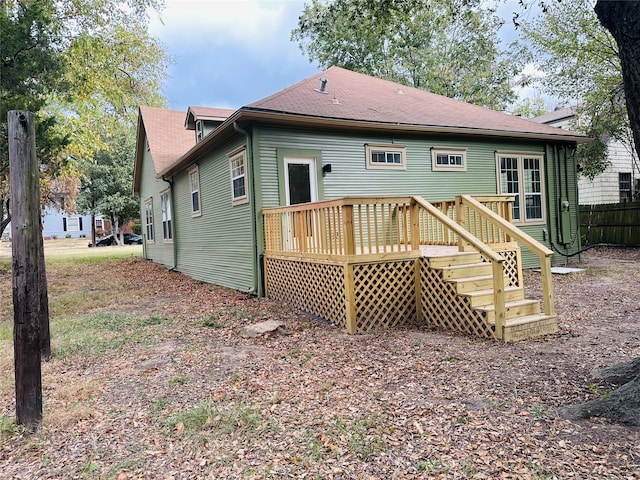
[{"x": 364, "y": 269}]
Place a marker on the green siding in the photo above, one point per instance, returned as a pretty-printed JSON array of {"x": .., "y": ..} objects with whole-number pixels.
[
  {"x": 150, "y": 187},
  {"x": 349, "y": 176},
  {"x": 217, "y": 246}
]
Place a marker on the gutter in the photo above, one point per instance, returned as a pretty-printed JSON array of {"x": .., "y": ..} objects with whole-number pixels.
[
  {"x": 254, "y": 219},
  {"x": 174, "y": 240}
]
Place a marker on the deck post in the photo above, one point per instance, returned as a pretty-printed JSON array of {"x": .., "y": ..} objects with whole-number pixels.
[
  {"x": 414, "y": 214},
  {"x": 350, "y": 299},
  {"x": 498, "y": 298},
  {"x": 348, "y": 226},
  {"x": 547, "y": 285},
  {"x": 461, "y": 220}
]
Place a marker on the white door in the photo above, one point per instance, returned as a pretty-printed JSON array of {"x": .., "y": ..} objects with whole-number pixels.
[{"x": 300, "y": 180}]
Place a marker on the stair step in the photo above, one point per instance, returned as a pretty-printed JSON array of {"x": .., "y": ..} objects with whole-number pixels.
[
  {"x": 530, "y": 326},
  {"x": 467, "y": 270},
  {"x": 461, "y": 258},
  {"x": 514, "y": 309},
  {"x": 472, "y": 284},
  {"x": 479, "y": 298}
]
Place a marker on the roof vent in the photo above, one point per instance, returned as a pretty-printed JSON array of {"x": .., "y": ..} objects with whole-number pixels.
[
  {"x": 400, "y": 92},
  {"x": 323, "y": 86},
  {"x": 336, "y": 101}
]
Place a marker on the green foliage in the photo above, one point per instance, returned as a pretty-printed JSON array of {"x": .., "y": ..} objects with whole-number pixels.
[
  {"x": 530, "y": 107},
  {"x": 83, "y": 66},
  {"x": 581, "y": 66},
  {"x": 443, "y": 46}
]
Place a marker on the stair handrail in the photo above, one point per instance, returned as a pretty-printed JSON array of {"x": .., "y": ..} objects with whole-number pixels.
[
  {"x": 495, "y": 258},
  {"x": 544, "y": 254}
]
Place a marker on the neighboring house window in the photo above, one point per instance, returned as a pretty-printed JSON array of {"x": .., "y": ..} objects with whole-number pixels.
[
  {"x": 194, "y": 182},
  {"x": 520, "y": 175},
  {"x": 386, "y": 156},
  {"x": 199, "y": 132},
  {"x": 624, "y": 182},
  {"x": 99, "y": 223},
  {"x": 72, "y": 224},
  {"x": 148, "y": 219},
  {"x": 448, "y": 159},
  {"x": 239, "y": 177},
  {"x": 165, "y": 203}
]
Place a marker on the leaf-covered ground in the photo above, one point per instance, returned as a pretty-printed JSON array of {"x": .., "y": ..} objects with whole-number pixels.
[{"x": 160, "y": 384}]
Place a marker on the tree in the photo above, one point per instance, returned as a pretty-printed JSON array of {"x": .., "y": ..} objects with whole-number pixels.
[
  {"x": 106, "y": 65},
  {"x": 106, "y": 184},
  {"x": 581, "y": 65},
  {"x": 449, "y": 47},
  {"x": 622, "y": 19}
]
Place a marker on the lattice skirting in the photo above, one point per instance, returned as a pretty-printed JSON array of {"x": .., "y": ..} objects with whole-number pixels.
[
  {"x": 317, "y": 288},
  {"x": 384, "y": 294},
  {"x": 512, "y": 265},
  {"x": 442, "y": 308}
]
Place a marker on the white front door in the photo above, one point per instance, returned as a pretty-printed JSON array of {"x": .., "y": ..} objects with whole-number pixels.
[{"x": 300, "y": 180}]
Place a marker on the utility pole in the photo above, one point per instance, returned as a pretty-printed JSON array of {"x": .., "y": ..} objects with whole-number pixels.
[{"x": 26, "y": 245}]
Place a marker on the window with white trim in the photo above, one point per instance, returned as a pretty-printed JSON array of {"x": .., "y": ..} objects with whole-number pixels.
[
  {"x": 449, "y": 159},
  {"x": 239, "y": 177},
  {"x": 194, "y": 183},
  {"x": 148, "y": 218},
  {"x": 521, "y": 175},
  {"x": 199, "y": 131},
  {"x": 72, "y": 224},
  {"x": 392, "y": 157},
  {"x": 165, "y": 205}
]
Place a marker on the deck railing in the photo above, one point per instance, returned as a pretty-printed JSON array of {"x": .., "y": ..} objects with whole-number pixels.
[{"x": 491, "y": 223}]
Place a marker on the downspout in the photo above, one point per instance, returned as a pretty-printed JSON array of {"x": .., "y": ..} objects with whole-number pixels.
[
  {"x": 547, "y": 167},
  {"x": 252, "y": 201},
  {"x": 174, "y": 240}
]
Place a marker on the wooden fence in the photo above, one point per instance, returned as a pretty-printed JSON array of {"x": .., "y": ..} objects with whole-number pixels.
[{"x": 616, "y": 224}]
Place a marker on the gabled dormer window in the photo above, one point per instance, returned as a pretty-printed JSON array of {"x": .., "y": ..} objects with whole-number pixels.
[{"x": 199, "y": 130}]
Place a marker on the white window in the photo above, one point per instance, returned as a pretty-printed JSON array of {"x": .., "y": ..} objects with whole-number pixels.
[
  {"x": 165, "y": 204},
  {"x": 194, "y": 182},
  {"x": 386, "y": 156},
  {"x": 199, "y": 131},
  {"x": 448, "y": 159},
  {"x": 239, "y": 177},
  {"x": 521, "y": 175},
  {"x": 148, "y": 218},
  {"x": 73, "y": 224},
  {"x": 99, "y": 223}
]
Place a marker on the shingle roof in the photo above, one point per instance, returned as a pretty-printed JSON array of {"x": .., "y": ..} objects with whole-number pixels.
[
  {"x": 210, "y": 113},
  {"x": 355, "y": 96},
  {"x": 555, "y": 115},
  {"x": 167, "y": 137}
]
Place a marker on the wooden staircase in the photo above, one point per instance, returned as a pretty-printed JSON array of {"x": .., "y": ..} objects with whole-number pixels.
[{"x": 469, "y": 278}]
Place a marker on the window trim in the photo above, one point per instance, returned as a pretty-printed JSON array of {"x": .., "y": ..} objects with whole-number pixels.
[
  {"x": 166, "y": 193},
  {"x": 436, "y": 167},
  {"x": 521, "y": 185},
  {"x": 191, "y": 172},
  {"x": 73, "y": 224},
  {"x": 199, "y": 131},
  {"x": 148, "y": 220},
  {"x": 240, "y": 153},
  {"x": 370, "y": 148},
  {"x": 629, "y": 191}
]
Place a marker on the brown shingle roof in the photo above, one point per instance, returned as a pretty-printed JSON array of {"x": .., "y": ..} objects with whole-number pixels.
[
  {"x": 555, "y": 115},
  {"x": 355, "y": 96},
  {"x": 167, "y": 137}
]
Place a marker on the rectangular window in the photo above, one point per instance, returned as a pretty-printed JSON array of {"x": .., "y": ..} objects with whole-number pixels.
[
  {"x": 194, "y": 182},
  {"x": 199, "y": 131},
  {"x": 521, "y": 176},
  {"x": 99, "y": 223},
  {"x": 148, "y": 218},
  {"x": 73, "y": 224},
  {"x": 448, "y": 159},
  {"x": 165, "y": 204},
  {"x": 624, "y": 182},
  {"x": 238, "y": 178},
  {"x": 390, "y": 157}
]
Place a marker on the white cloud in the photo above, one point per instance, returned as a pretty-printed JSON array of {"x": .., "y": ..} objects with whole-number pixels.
[{"x": 255, "y": 24}]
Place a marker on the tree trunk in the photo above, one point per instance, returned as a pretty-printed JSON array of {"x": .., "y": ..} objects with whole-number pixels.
[
  {"x": 621, "y": 405},
  {"x": 622, "y": 19}
]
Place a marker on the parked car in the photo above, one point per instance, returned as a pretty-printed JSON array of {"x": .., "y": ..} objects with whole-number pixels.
[{"x": 129, "y": 239}]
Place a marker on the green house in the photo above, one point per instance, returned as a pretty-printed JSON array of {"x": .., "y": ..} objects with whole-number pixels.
[{"x": 206, "y": 177}]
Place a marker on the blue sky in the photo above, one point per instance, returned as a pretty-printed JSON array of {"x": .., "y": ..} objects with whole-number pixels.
[{"x": 229, "y": 53}]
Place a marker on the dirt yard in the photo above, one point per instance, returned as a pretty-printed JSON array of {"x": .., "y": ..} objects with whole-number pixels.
[{"x": 171, "y": 389}]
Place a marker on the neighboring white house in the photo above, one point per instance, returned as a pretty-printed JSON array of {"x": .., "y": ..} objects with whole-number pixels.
[{"x": 620, "y": 182}]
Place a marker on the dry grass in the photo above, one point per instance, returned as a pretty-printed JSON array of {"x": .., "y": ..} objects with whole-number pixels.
[{"x": 154, "y": 380}]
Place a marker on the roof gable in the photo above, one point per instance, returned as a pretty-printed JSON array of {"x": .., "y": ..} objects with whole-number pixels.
[{"x": 205, "y": 113}]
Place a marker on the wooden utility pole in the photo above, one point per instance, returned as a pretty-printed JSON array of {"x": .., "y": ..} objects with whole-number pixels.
[{"x": 26, "y": 243}]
